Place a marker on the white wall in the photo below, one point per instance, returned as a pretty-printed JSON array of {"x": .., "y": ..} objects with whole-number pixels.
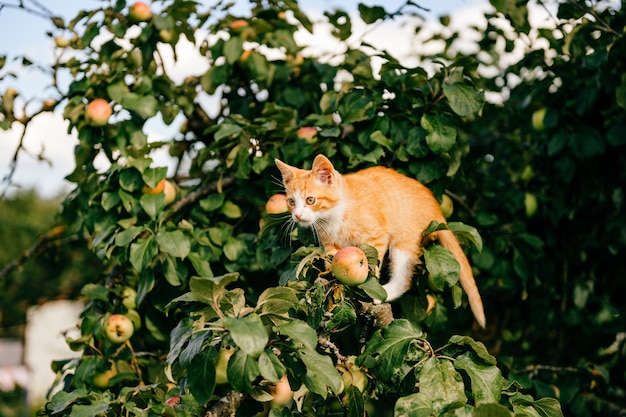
[{"x": 47, "y": 327}]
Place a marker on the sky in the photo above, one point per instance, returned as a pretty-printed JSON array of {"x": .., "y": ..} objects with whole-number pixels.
[{"x": 24, "y": 33}]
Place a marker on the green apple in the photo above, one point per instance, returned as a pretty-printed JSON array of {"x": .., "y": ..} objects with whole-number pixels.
[
  {"x": 538, "y": 119},
  {"x": 432, "y": 303},
  {"x": 101, "y": 379},
  {"x": 134, "y": 316},
  {"x": 169, "y": 190},
  {"x": 221, "y": 366},
  {"x": 349, "y": 266},
  {"x": 530, "y": 204},
  {"x": 281, "y": 391},
  {"x": 129, "y": 296},
  {"x": 447, "y": 206}
]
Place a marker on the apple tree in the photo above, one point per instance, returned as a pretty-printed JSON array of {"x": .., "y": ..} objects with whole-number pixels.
[
  {"x": 206, "y": 303},
  {"x": 544, "y": 184}
]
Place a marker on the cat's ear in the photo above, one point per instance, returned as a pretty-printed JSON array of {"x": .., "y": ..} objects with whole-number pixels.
[
  {"x": 287, "y": 171},
  {"x": 323, "y": 170}
]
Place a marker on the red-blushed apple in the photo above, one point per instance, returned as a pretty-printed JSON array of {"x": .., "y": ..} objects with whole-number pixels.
[
  {"x": 281, "y": 391},
  {"x": 170, "y": 192},
  {"x": 157, "y": 189},
  {"x": 98, "y": 112},
  {"x": 173, "y": 400},
  {"x": 276, "y": 204},
  {"x": 349, "y": 266},
  {"x": 447, "y": 206},
  {"x": 118, "y": 328},
  {"x": 308, "y": 133},
  {"x": 245, "y": 55},
  {"x": 48, "y": 104},
  {"x": 221, "y": 366},
  {"x": 238, "y": 24},
  {"x": 140, "y": 12}
]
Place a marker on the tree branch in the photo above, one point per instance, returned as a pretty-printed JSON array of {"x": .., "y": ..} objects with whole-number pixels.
[
  {"x": 200, "y": 192},
  {"x": 54, "y": 235},
  {"x": 226, "y": 406}
]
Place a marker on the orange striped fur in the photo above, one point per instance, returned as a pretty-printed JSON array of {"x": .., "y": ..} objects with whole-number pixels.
[{"x": 376, "y": 206}]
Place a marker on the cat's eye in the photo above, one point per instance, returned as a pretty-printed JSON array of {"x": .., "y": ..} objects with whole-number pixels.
[
  {"x": 291, "y": 202},
  {"x": 310, "y": 201}
]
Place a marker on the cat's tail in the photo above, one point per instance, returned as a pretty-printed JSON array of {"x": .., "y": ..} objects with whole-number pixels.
[{"x": 448, "y": 240}]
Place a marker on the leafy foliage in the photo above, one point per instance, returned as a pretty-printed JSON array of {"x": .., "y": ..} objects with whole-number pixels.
[{"x": 210, "y": 271}]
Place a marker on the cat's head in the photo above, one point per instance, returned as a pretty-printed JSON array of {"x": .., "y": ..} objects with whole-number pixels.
[{"x": 311, "y": 194}]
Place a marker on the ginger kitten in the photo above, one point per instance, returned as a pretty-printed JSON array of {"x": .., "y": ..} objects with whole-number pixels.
[{"x": 376, "y": 206}]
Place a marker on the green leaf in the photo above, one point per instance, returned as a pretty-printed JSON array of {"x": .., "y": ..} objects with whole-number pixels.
[
  {"x": 231, "y": 210},
  {"x": 175, "y": 272},
  {"x": 389, "y": 348},
  {"x": 144, "y": 106},
  {"x": 142, "y": 252},
  {"x": 544, "y": 407},
  {"x": 371, "y": 14},
  {"x": 201, "y": 378},
  {"x": 110, "y": 200},
  {"x": 227, "y": 130},
  {"x": 354, "y": 402},
  {"x": 440, "y": 135},
  {"x": 212, "y": 202},
  {"x": 477, "y": 347},
  {"x": 300, "y": 332},
  {"x": 117, "y": 91},
  {"x": 442, "y": 266},
  {"x": 321, "y": 373},
  {"x": 442, "y": 384},
  {"x": 233, "y": 248},
  {"x": 233, "y": 48},
  {"x": 343, "y": 316},
  {"x": 242, "y": 370},
  {"x": 130, "y": 180},
  {"x": 463, "y": 98},
  {"x": 492, "y": 410},
  {"x": 91, "y": 410},
  {"x": 414, "y": 405},
  {"x": 201, "y": 265},
  {"x": 152, "y": 176},
  {"x": 382, "y": 140},
  {"x": 277, "y": 300},
  {"x": 152, "y": 204},
  {"x": 373, "y": 288},
  {"x": 249, "y": 333},
  {"x": 487, "y": 380},
  {"x": 174, "y": 242},
  {"x": 467, "y": 232},
  {"x": 270, "y": 366},
  {"x": 124, "y": 237},
  {"x": 209, "y": 289}
]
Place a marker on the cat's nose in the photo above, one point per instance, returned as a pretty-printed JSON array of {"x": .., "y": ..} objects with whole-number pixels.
[{"x": 297, "y": 216}]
